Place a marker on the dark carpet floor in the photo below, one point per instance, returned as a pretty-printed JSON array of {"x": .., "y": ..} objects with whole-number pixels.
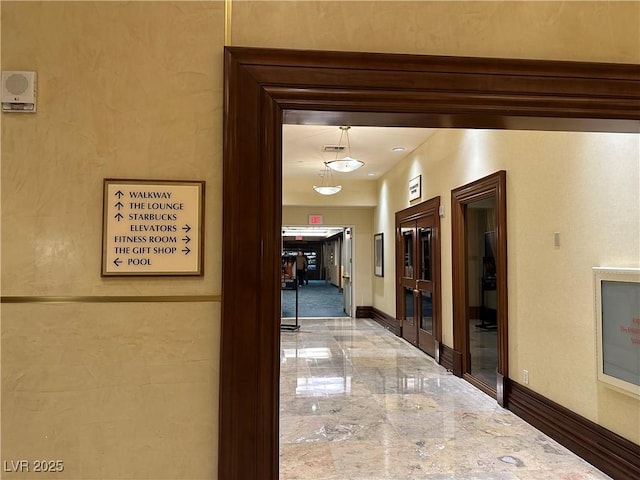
[{"x": 317, "y": 299}]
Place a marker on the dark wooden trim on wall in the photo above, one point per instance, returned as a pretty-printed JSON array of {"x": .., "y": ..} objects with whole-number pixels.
[
  {"x": 387, "y": 321},
  {"x": 611, "y": 453},
  {"x": 264, "y": 88},
  {"x": 451, "y": 360},
  {"x": 250, "y": 343}
]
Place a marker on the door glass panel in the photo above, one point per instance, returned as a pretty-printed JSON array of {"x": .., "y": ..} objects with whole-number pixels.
[
  {"x": 426, "y": 320},
  {"x": 480, "y": 224},
  {"x": 407, "y": 238},
  {"x": 408, "y": 305},
  {"x": 425, "y": 254}
]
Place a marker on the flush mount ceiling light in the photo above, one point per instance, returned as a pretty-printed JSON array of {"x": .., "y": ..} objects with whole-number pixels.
[
  {"x": 327, "y": 186},
  {"x": 348, "y": 163}
]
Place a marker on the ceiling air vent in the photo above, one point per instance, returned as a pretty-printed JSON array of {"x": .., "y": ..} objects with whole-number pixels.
[{"x": 334, "y": 148}]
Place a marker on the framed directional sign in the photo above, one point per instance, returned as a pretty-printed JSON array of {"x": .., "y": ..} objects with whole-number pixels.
[{"x": 152, "y": 227}]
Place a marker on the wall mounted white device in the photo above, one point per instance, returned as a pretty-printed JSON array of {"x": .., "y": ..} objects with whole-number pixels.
[{"x": 19, "y": 91}]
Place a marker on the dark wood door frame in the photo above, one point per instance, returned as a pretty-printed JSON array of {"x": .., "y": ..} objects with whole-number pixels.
[
  {"x": 494, "y": 185},
  {"x": 264, "y": 88},
  {"x": 428, "y": 208}
]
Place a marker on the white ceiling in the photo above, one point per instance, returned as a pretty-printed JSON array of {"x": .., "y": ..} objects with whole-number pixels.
[
  {"x": 322, "y": 232},
  {"x": 303, "y": 156}
]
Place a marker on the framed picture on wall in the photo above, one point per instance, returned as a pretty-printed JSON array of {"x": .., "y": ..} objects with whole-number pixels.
[
  {"x": 617, "y": 312},
  {"x": 378, "y": 255}
]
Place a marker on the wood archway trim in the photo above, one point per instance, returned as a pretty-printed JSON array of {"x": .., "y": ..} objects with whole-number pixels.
[{"x": 265, "y": 87}]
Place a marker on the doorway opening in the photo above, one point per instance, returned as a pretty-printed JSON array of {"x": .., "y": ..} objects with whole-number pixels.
[
  {"x": 482, "y": 324},
  {"x": 479, "y": 252},
  {"x": 317, "y": 278},
  {"x": 265, "y": 88}
]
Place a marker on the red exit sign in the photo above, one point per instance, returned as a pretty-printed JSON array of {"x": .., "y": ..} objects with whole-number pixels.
[{"x": 315, "y": 219}]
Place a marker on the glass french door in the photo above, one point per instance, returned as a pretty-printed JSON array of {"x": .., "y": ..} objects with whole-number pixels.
[
  {"x": 418, "y": 279},
  {"x": 408, "y": 283},
  {"x": 425, "y": 233}
]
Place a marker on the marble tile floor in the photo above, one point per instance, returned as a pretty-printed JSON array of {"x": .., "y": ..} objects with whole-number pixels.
[{"x": 359, "y": 403}]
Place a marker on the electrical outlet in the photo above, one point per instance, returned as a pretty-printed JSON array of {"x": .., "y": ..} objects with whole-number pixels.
[{"x": 525, "y": 376}]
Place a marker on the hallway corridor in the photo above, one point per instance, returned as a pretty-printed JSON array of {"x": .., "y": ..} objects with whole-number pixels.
[
  {"x": 357, "y": 402},
  {"x": 316, "y": 299}
]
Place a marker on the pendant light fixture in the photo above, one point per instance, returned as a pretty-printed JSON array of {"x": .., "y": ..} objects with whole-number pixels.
[
  {"x": 348, "y": 163},
  {"x": 327, "y": 186}
]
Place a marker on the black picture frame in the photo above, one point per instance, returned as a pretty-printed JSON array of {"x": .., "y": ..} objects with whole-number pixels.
[{"x": 378, "y": 255}]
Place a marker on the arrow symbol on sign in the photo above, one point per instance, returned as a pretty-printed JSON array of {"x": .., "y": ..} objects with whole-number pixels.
[
  {"x": 119, "y": 205},
  {"x": 186, "y": 250},
  {"x": 118, "y": 216},
  {"x": 117, "y": 262},
  {"x": 119, "y": 194},
  {"x": 186, "y": 239},
  {"x": 186, "y": 228}
]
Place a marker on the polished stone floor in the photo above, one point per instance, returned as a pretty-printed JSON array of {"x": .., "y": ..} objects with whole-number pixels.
[{"x": 359, "y": 403}]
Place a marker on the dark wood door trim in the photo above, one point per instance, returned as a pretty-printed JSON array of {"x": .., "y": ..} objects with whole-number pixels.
[
  {"x": 264, "y": 88},
  {"x": 494, "y": 185},
  {"x": 249, "y": 373}
]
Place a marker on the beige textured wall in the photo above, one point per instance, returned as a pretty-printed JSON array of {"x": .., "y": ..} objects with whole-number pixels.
[
  {"x": 585, "y": 186},
  {"x": 557, "y": 30},
  {"x": 362, "y": 221},
  {"x": 115, "y": 391},
  {"x": 354, "y": 193},
  {"x": 126, "y": 90},
  {"x": 135, "y": 90}
]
